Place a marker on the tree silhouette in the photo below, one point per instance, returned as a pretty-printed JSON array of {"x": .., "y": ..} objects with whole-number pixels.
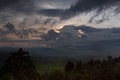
[
  {"x": 78, "y": 66},
  {"x": 21, "y": 66},
  {"x": 69, "y": 67},
  {"x": 109, "y": 58}
]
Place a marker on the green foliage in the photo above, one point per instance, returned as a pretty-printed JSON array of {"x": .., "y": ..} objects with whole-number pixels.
[
  {"x": 19, "y": 66},
  {"x": 95, "y": 69},
  {"x": 49, "y": 67},
  {"x": 7, "y": 76},
  {"x": 57, "y": 75},
  {"x": 69, "y": 67},
  {"x": 78, "y": 66}
]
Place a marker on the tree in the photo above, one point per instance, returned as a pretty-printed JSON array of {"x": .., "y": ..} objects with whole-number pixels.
[
  {"x": 109, "y": 58},
  {"x": 21, "y": 66},
  {"x": 69, "y": 67},
  {"x": 78, "y": 67}
]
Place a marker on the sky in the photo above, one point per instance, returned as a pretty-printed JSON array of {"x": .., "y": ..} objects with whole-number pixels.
[{"x": 23, "y": 22}]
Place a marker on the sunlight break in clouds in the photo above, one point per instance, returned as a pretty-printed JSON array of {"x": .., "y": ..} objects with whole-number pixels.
[{"x": 30, "y": 20}]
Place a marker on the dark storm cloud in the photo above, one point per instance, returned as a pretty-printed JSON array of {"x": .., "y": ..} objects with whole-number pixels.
[
  {"x": 82, "y": 6},
  {"x": 9, "y": 27},
  {"x": 9, "y": 30},
  {"x": 51, "y": 12},
  {"x": 117, "y": 10},
  {"x": 89, "y": 5},
  {"x": 23, "y": 8},
  {"x": 33, "y": 6},
  {"x": 105, "y": 17},
  {"x": 26, "y": 33},
  {"x": 29, "y": 6},
  {"x": 8, "y": 3},
  {"x": 17, "y": 5}
]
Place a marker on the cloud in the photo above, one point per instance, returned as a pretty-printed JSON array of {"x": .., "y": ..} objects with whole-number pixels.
[
  {"x": 32, "y": 14},
  {"x": 117, "y": 10},
  {"x": 68, "y": 33},
  {"x": 100, "y": 17},
  {"x": 50, "y": 36},
  {"x": 9, "y": 32},
  {"x": 10, "y": 27},
  {"x": 31, "y": 18},
  {"x": 52, "y": 12},
  {"x": 85, "y": 6},
  {"x": 82, "y": 6},
  {"x": 17, "y": 6},
  {"x": 55, "y": 4},
  {"x": 7, "y": 3},
  {"x": 33, "y": 6}
]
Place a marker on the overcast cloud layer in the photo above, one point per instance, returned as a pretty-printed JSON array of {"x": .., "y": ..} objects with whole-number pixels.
[
  {"x": 60, "y": 9},
  {"x": 29, "y": 19}
]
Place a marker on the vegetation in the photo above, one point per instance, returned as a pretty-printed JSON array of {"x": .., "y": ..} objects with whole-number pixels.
[{"x": 19, "y": 66}]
